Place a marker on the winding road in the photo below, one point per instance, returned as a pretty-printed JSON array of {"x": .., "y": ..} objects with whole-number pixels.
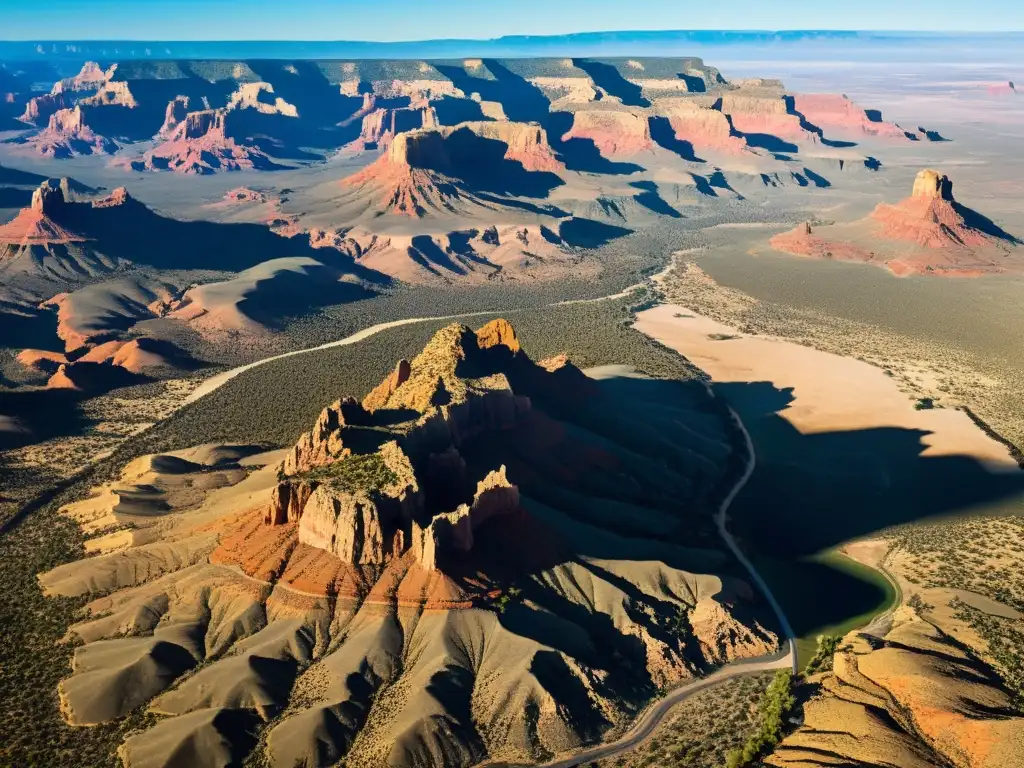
[{"x": 651, "y": 718}]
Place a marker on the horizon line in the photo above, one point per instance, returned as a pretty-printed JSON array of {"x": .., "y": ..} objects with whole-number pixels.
[{"x": 737, "y": 32}]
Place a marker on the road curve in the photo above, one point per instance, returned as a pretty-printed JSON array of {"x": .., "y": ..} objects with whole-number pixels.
[{"x": 651, "y": 718}]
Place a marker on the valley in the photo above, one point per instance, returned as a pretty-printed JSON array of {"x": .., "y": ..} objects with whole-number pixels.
[{"x": 508, "y": 411}]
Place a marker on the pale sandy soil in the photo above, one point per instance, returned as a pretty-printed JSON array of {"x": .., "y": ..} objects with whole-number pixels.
[{"x": 831, "y": 393}]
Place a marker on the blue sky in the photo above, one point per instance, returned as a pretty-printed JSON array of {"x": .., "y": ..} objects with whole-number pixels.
[{"x": 386, "y": 20}]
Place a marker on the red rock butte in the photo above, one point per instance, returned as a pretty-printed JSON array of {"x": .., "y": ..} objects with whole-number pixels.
[{"x": 35, "y": 225}]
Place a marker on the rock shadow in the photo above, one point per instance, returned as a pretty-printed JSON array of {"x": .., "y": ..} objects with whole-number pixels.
[
  {"x": 813, "y": 492},
  {"x": 524, "y": 102},
  {"x": 664, "y": 136},
  {"x": 609, "y": 79}
]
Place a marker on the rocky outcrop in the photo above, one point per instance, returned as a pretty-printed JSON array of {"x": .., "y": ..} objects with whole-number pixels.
[
  {"x": 260, "y": 96},
  {"x": 68, "y": 135},
  {"x": 322, "y": 444},
  {"x": 527, "y": 142},
  {"x": 174, "y": 115},
  {"x": 498, "y": 333},
  {"x": 836, "y": 113},
  {"x": 200, "y": 145},
  {"x": 931, "y": 185},
  {"x": 39, "y": 108},
  {"x": 65, "y": 93},
  {"x": 36, "y": 225},
  {"x": 116, "y": 198},
  {"x": 450, "y": 534},
  {"x": 112, "y": 93},
  {"x": 380, "y": 126},
  {"x": 705, "y": 129},
  {"x": 930, "y": 217},
  {"x": 379, "y": 395},
  {"x": 615, "y": 133}
]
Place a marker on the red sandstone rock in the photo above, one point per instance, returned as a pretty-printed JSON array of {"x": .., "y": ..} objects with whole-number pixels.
[
  {"x": 67, "y": 135},
  {"x": 929, "y": 217},
  {"x": 118, "y": 197},
  {"x": 199, "y": 145},
  {"x": 833, "y": 112},
  {"x": 41, "y": 360},
  {"x": 62, "y": 379},
  {"x": 616, "y": 134},
  {"x": 35, "y": 225},
  {"x": 768, "y": 114},
  {"x": 703, "y": 128},
  {"x": 379, "y": 395},
  {"x": 174, "y": 115}
]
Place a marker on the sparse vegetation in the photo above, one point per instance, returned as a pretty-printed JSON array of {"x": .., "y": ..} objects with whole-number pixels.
[
  {"x": 822, "y": 659},
  {"x": 359, "y": 473},
  {"x": 772, "y": 712},
  {"x": 701, "y": 731}
]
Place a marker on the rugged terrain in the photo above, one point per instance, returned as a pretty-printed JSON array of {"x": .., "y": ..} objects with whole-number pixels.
[
  {"x": 365, "y": 592},
  {"x": 927, "y": 233},
  {"x": 358, "y": 593}
]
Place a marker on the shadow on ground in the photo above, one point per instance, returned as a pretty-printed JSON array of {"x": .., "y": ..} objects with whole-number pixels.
[{"x": 812, "y": 492}]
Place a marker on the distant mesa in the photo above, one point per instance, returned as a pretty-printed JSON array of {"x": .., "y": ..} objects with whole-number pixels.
[
  {"x": 833, "y": 112},
  {"x": 593, "y": 110},
  {"x": 1002, "y": 89},
  {"x": 199, "y": 145},
  {"x": 35, "y": 226},
  {"x": 68, "y": 135},
  {"x": 615, "y": 134},
  {"x": 446, "y": 169},
  {"x": 927, "y": 233},
  {"x": 66, "y": 93}
]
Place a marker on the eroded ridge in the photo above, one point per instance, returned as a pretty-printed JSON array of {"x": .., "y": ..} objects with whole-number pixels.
[{"x": 440, "y": 573}]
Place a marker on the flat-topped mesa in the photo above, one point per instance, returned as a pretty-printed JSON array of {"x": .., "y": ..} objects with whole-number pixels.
[
  {"x": 932, "y": 185},
  {"x": 527, "y": 142},
  {"x": 615, "y": 134},
  {"x": 764, "y": 113},
  {"x": 705, "y": 129},
  {"x": 836, "y": 112},
  {"x": 422, "y": 148},
  {"x": 196, "y": 125}
]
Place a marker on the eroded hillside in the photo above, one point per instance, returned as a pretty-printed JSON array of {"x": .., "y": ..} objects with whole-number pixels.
[{"x": 487, "y": 557}]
